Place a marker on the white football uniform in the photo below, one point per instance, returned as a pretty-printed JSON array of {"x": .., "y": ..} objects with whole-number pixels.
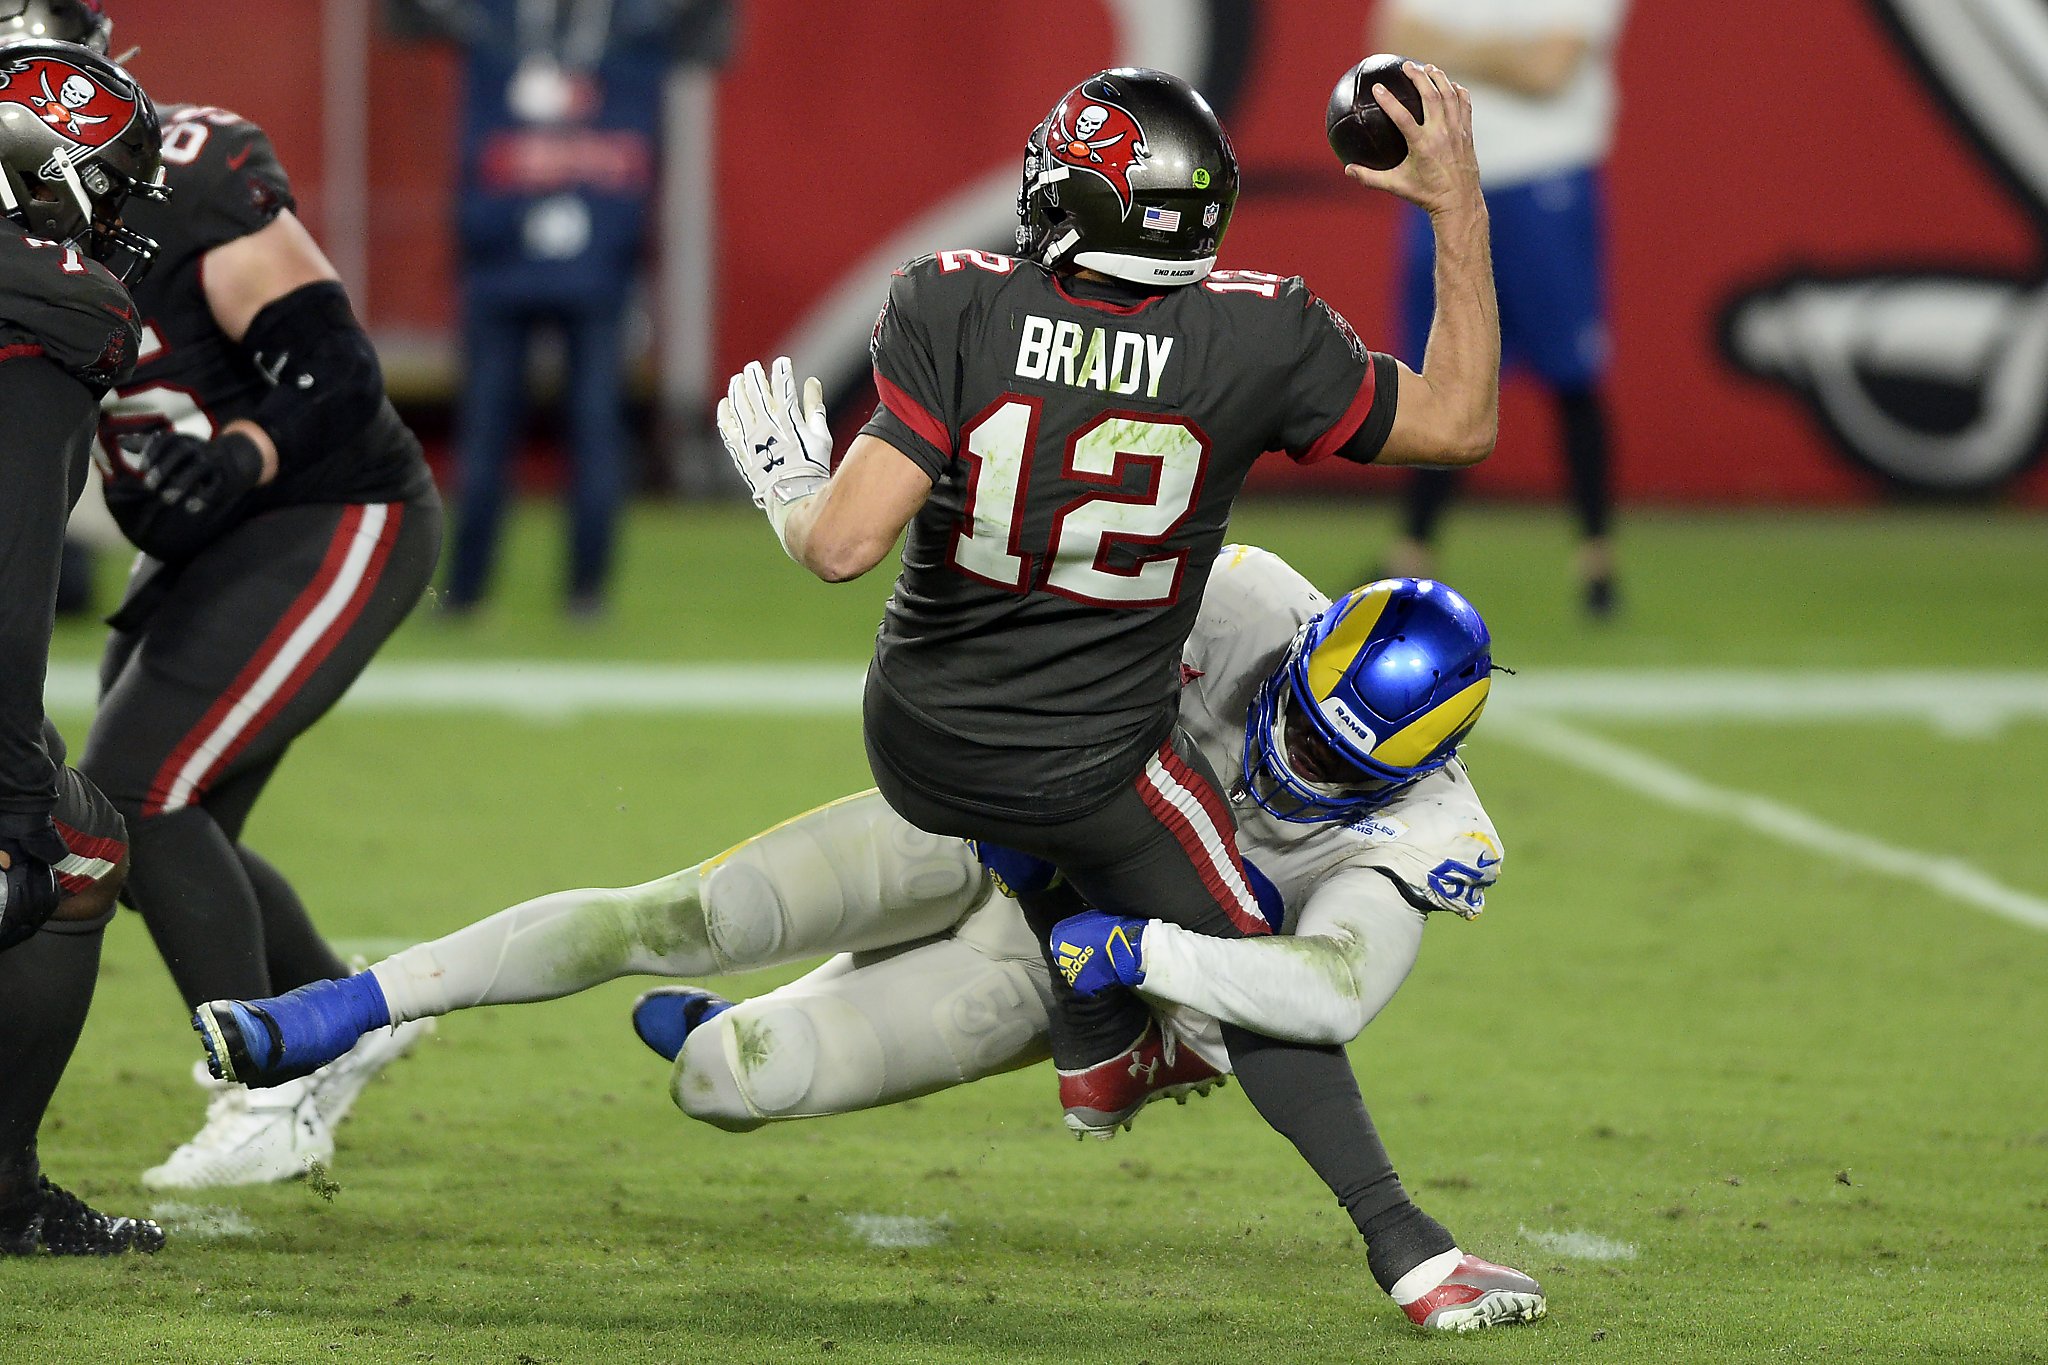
[
  {"x": 870, "y": 1028},
  {"x": 938, "y": 980}
]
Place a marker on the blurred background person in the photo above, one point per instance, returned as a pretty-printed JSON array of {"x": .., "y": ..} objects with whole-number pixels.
[
  {"x": 1541, "y": 74},
  {"x": 561, "y": 112}
]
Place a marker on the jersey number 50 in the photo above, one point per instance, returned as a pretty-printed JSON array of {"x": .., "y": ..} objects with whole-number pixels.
[{"x": 998, "y": 446}]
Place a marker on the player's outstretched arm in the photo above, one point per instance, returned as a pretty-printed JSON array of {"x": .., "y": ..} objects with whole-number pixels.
[
  {"x": 857, "y": 517},
  {"x": 836, "y": 524},
  {"x": 1353, "y": 946},
  {"x": 1449, "y": 414}
]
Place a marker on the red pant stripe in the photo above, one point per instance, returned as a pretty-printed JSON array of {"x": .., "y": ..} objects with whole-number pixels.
[
  {"x": 1177, "y": 801},
  {"x": 316, "y": 620}
]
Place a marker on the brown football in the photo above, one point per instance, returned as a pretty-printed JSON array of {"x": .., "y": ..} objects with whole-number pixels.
[{"x": 1359, "y": 130}]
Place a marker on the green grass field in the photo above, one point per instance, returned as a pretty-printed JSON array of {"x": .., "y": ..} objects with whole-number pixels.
[{"x": 1733, "y": 1091}]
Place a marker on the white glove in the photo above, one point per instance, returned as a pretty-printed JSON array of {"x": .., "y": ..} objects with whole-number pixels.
[{"x": 782, "y": 449}]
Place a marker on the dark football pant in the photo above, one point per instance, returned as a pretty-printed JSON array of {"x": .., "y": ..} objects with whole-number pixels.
[
  {"x": 208, "y": 678},
  {"x": 1164, "y": 847},
  {"x": 46, "y": 981}
]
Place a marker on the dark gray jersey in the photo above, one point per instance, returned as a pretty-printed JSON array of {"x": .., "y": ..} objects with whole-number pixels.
[
  {"x": 1085, "y": 444},
  {"x": 67, "y": 330}
]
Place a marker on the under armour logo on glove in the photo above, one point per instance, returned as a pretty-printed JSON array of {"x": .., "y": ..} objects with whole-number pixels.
[{"x": 771, "y": 436}]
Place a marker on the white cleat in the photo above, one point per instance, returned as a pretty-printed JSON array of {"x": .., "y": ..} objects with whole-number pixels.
[
  {"x": 251, "y": 1137},
  {"x": 259, "y": 1137},
  {"x": 336, "y": 1085}
]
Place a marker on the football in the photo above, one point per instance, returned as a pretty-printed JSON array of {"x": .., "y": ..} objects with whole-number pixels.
[{"x": 1359, "y": 130}]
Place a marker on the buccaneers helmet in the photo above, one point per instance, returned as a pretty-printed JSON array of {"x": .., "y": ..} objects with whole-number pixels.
[
  {"x": 1375, "y": 691},
  {"x": 77, "y": 137},
  {"x": 1130, "y": 175},
  {"x": 67, "y": 21}
]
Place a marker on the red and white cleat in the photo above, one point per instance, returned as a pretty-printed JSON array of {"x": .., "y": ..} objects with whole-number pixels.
[
  {"x": 1107, "y": 1096},
  {"x": 1477, "y": 1294}
]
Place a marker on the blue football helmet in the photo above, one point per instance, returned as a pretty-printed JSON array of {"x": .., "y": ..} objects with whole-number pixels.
[{"x": 1376, "y": 691}]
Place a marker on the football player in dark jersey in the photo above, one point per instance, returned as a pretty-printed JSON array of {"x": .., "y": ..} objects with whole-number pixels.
[
  {"x": 288, "y": 524},
  {"x": 1063, "y": 432},
  {"x": 77, "y": 137}
]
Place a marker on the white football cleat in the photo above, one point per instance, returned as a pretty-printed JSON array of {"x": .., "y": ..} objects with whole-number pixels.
[
  {"x": 251, "y": 1137},
  {"x": 1477, "y": 1294},
  {"x": 258, "y": 1137},
  {"x": 336, "y": 1085}
]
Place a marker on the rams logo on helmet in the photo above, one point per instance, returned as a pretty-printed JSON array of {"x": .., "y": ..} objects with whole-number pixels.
[{"x": 1376, "y": 691}]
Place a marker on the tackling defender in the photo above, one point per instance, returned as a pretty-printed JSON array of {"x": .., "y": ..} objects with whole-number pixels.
[
  {"x": 288, "y": 524},
  {"x": 939, "y": 980}
]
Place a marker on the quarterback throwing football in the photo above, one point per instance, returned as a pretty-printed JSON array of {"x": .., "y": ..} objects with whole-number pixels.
[{"x": 1063, "y": 433}]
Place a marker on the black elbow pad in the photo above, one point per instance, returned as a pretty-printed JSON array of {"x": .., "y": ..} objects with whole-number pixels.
[{"x": 326, "y": 384}]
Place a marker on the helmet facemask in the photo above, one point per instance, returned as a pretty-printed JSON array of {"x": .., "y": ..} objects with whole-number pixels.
[
  {"x": 125, "y": 253},
  {"x": 1374, "y": 693},
  {"x": 1298, "y": 772}
]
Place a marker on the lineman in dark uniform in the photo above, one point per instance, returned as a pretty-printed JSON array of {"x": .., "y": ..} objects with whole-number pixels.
[
  {"x": 1064, "y": 435},
  {"x": 67, "y": 330},
  {"x": 288, "y": 524}
]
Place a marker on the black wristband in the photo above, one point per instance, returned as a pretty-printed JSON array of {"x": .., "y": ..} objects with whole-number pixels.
[{"x": 238, "y": 451}]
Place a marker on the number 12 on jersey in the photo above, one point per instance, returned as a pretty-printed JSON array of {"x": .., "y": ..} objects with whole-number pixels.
[{"x": 989, "y": 543}]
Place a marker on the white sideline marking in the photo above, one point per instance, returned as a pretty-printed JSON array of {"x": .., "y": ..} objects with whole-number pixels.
[
  {"x": 1948, "y": 876},
  {"x": 1954, "y": 700},
  {"x": 895, "y": 1231},
  {"x": 1581, "y": 1246},
  {"x": 1523, "y": 710}
]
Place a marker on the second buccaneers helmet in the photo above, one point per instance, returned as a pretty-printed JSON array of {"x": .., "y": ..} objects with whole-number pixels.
[
  {"x": 1130, "y": 175},
  {"x": 77, "y": 137}
]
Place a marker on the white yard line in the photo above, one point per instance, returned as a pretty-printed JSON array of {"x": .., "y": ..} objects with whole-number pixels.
[
  {"x": 1638, "y": 771},
  {"x": 1525, "y": 710},
  {"x": 1952, "y": 699}
]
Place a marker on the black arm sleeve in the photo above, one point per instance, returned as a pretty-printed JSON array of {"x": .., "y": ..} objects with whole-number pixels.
[
  {"x": 326, "y": 383},
  {"x": 1371, "y": 437},
  {"x": 42, "y": 442}
]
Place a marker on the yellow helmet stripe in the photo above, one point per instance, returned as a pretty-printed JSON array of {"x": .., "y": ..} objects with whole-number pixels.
[
  {"x": 1408, "y": 747},
  {"x": 1327, "y": 662}
]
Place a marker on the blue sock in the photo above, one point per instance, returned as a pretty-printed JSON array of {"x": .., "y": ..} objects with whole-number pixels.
[
  {"x": 323, "y": 1019},
  {"x": 366, "y": 1000}
]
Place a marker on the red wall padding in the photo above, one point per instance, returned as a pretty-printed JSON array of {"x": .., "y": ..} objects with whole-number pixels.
[{"x": 1752, "y": 138}]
